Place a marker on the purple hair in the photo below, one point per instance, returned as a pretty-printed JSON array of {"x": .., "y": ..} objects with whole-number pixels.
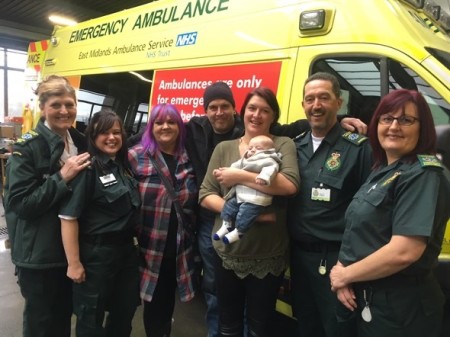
[{"x": 162, "y": 111}]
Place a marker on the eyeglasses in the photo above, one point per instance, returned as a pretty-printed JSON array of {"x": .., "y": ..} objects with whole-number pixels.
[{"x": 404, "y": 120}]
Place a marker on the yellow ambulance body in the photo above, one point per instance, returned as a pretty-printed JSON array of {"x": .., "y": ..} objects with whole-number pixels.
[{"x": 170, "y": 50}]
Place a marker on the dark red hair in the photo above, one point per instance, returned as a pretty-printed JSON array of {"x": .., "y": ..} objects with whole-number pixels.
[
  {"x": 395, "y": 101},
  {"x": 269, "y": 96}
]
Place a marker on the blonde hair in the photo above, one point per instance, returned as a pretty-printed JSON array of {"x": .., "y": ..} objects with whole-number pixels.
[{"x": 54, "y": 85}]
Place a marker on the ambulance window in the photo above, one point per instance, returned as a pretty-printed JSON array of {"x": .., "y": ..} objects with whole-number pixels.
[
  {"x": 141, "y": 118},
  {"x": 345, "y": 95},
  {"x": 367, "y": 79},
  {"x": 88, "y": 104},
  {"x": 440, "y": 108},
  {"x": 126, "y": 93}
]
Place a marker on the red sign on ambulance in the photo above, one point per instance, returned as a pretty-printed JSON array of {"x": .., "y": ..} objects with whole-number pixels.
[{"x": 184, "y": 87}]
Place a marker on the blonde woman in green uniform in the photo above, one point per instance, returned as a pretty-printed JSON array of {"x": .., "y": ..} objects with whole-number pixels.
[
  {"x": 395, "y": 226},
  {"x": 97, "y": 226},
  {"x": 38, "y": 177}
]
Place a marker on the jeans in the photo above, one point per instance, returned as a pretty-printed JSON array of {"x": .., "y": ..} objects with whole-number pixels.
[
  {"x": 207, "y": 252},
  {"x": 244, "y": 214}
]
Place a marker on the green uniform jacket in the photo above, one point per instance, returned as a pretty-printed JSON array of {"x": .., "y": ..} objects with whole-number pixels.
[
  {"x": 33, "y": 191},
  {"x": 338, "y": 167},
  {"x": 408, "y": 199}
]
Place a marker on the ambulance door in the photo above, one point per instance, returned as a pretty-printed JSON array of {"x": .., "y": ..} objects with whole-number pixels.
[{"x": 368, "y": 74}]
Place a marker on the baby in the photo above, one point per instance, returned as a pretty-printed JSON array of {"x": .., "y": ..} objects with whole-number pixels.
[{"x": 246, "y": 203}]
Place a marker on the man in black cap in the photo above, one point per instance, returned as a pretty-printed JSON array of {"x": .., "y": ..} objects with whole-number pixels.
[{"x": 219, "y": 123}]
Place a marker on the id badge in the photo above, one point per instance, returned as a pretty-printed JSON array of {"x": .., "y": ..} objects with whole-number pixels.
[
  {"x": 108, "y": 180},
  {"x": 321, "y": 194}
]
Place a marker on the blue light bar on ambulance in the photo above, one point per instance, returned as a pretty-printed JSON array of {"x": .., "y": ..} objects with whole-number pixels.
[{"x": 312, "y": 20}]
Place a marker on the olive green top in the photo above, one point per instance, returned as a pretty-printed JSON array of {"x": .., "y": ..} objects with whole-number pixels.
[{"x": 264, "y": 248}]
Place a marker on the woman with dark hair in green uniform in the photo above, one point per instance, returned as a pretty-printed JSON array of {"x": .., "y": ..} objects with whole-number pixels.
[
  {"x": 97, "y": 226},
  {"x": 395, "y": 226}
]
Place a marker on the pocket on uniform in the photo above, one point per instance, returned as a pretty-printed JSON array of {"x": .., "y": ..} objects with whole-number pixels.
[
  {"x": 31, "y": 281},
  {"x": 114, "y": 192},
  {"x": 86, "y": 307},
  {"x": 333, "y": 181},
  {"x": 432, "y": 298},
  {"x": 375, "y": 198},
  {"x": 402, "y": 304}
]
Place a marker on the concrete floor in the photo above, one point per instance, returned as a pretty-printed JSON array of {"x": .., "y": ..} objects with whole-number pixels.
[{"x": 188, "y": 317}]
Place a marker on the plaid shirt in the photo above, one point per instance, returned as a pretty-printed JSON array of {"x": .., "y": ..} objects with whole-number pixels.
[{"x": 155, "y": 216}]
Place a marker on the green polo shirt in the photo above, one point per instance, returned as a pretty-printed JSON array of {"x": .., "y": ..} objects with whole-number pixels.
[
  {"x": 339, "y": 167},
  {"x": 399, "y": 199},
  {"x": 103, "y": 200}
]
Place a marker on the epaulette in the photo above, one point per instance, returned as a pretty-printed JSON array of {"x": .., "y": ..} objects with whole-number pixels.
[
  {"x": 27, "y": 137},
  {"x": 427, "y": 160},
  {"x": 354, "y": 138},
  {"x": 300, "y": 135}
]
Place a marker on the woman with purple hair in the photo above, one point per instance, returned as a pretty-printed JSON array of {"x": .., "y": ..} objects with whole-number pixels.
[{"x": 165, "y": 233}]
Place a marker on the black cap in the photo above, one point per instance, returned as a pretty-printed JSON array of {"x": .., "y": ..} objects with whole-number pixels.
[{"x": 218, "y": 90}]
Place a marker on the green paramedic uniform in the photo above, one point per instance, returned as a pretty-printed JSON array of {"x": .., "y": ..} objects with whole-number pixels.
[
  {"x": 105, "y": 202},
  {"x": 409, "y": 200},
  {"x": 329, "y": 177},
  {"x": 33, "y": 192}
]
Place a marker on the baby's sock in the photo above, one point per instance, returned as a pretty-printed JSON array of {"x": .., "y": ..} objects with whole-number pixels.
[
  {"x": 225, "y": 229},
  {"x": 233, "y": 236}
]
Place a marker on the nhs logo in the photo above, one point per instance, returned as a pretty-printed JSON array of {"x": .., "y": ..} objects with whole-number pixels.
[{"x": 186, "y": 39}]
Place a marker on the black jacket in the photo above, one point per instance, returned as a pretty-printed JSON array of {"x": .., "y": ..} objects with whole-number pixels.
[{"x": 200, "y": 142}]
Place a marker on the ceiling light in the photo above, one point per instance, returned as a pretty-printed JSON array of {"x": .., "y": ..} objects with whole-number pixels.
[
  {"x": 61, "y": 20},
  {"x": 140, "y": 76}
]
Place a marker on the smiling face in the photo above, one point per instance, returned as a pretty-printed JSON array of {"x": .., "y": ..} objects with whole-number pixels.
[
  {"x": 220, "y": 114},
  {"x": 59, "y": 112},
  {"x": 399, "y": 140},
  {"x": 258, "y": 116},
  {"x": 321, "y": 106},
  {"x": 110, "y": 141},
  {"x": 166, "y": 132}
]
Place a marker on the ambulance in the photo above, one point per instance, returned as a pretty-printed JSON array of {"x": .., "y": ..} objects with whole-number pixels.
[{"x": 171, "y": 50}]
